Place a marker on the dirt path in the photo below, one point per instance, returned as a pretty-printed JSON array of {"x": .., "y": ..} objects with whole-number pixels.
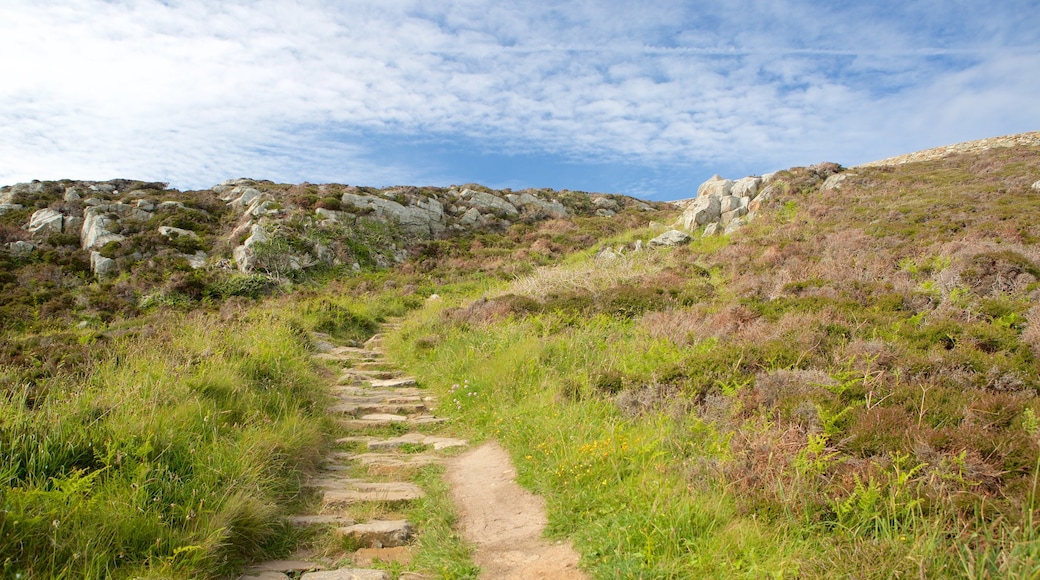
[{"x": 505, "y": 521}]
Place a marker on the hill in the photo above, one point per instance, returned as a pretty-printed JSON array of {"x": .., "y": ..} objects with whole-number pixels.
[{"x": 843, "y": 386}]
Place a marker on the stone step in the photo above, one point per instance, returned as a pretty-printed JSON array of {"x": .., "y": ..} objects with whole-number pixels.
[
  {"x": 357, "y": 409},
  {"x": 347, "y": 574},
  {"x": 373, "y": 366},
  {"x": 366, "y": 391},
  {"x": 353, "y": 375},
  {"x": 375, "y": 420},
  {"x": 361, "y": 492},
  {"x": 394, "y": 463},
  {"x": 378, "y": 533},
  {"x": 320, "y": 520},
  {"x": 392, "y": 383},
  {"x": 278, "y": 569},
  {"x": 375, "y": 444}
]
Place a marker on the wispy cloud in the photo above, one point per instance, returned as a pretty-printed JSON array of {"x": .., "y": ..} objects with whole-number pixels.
[{"x": 194, "y": 92}]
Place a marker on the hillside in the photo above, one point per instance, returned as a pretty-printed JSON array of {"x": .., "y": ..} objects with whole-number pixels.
[{"x": 845, "y": 386}]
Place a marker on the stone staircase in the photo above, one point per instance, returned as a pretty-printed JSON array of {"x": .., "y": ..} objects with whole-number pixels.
[{"x": 386, "y": 419}]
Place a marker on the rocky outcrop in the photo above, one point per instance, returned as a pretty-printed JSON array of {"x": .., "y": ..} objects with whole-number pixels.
[
  {"x": 422, "y": 218},
  {"x": 45, "y": 222},
  {"x": 724, "y": 205}
]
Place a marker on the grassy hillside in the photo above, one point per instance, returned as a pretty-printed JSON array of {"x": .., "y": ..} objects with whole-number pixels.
[{"x": 845, "y": 388}]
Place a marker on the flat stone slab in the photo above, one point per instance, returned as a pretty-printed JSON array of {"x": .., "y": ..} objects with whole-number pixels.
[
  {"x": 320, "y": 520},
  {"x": 393, "y": 463},
  {"x": 373, "y": 366},
  {"x": 284, "y": 566},
  {"x": 267, "y": 575},
  {"x": 360, "y": 492},
  {"x": 379, "y": 533},
  {"x": 416, "y": 439},
  {"x": 377, "y": 408},
  {"x": 392, "y": 383},
  {"x": 356, "y": 374},
  {"x": 347, "y": 574}
]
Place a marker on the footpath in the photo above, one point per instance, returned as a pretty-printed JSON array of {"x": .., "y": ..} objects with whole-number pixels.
[{"x": 365, "y": 489}]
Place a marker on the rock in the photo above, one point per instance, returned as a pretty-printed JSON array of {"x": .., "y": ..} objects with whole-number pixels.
[
  {"x": 713, "y": 229},
  {"x": 488, "y": 202},
  {"x": 638, "y": 246},
  {"x": 196, "y": 260},
  {"x": 265, "y": 575},
  {"x": 170, "y": 231},
  {"x": 729, "y": 216},
  {"x": 603, "y": 202},
  {"x": 746, "y": 187},
  {"x": 168, "y": 205},
  {"x": 245, "y": 255},
  {"x": 347, "y": 574},
  {"x": 45, "y": 222},
  {"x": 1036, "y": 185},
  {"x": 239, "y": 198},
  {"x": 102, "y": 266},
  {"x": 96, "y": 223},
  {"x": 734, "y": 226},
  {"x": 715, "y": 187},
  {"x": 145, "y": 205},
  {"x": 103, "y": 187},
  {"x": 470, "y": 218},
  {"x": 605, "y": 212},
  {"x": 423, "y": 218},
  {"x": 378, "y": 533},
  {"x": 360, "y": 492},
  {"x": 641, "y": 206},
  {"x": 6, "y": 207},
  {"x": 834, "y": 181},
  {"x": 20, "y": 249},
  {"x": 606, "y": 254},
  {"x": 670, "y": 238},
  {"x": 71, "y": 194},
  {"x": 728, "y": 203},
  {"x": 703, "y": 211},
  {"x": 553, "y": 208}
]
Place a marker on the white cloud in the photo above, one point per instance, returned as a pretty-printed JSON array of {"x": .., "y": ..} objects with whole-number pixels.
[{"x": 194, "y": 91}]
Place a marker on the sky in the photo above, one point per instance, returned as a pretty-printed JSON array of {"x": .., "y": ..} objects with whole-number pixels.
[{"x": 646, "y": 99}]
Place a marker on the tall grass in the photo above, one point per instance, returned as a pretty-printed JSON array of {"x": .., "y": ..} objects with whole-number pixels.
[{"x": 172, "y": 459}]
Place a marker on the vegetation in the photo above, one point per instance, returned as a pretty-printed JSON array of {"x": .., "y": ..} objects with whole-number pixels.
[{"x": 845, "y": 388}]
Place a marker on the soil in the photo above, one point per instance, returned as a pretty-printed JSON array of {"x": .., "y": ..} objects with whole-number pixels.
[{"x": 505, "y": 521}]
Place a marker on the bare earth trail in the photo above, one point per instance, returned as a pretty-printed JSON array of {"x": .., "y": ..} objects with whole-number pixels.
[
  {"x": 367, "y": 477},
  {"x": 504, "y": 520}
]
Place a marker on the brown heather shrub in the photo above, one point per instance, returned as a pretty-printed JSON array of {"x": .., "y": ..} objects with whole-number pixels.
[{"x": 1031, "y": 332}]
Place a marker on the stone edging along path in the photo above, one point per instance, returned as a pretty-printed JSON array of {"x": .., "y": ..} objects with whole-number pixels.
[{"x": 372, "y": 399}]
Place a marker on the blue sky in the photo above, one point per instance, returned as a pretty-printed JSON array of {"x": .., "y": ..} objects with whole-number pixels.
[{"x": 647, "y": 99}]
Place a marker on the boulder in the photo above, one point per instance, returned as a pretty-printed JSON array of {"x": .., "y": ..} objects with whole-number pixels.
[
  {"x": 6, "y": 207},
  {"x": 1036, "y": 185},
  {"x": 470, "y": 218},
  {"x": 488, "y": 202},
  {"x": 746, "y": 187},
  {"x": 703, "y": 211},
  {"x": 733, "y": 214},
  {"x": 167, "y": 205},
  {"x": 530, "y": 202},
  {"x": 834, "y": 181},
  {"x": 45, "y": 222},
  {"x": 72, "y": 194},
  {"x": 423, "y": 218},
  {"x": 196, "y": 260},
  {"x": 715, "y": 187},
  {"x": 602, "y": 212},
  {"x": 170, "y": 231},
  {"x": 603, "y": 202},
  {"x": 713, "y": 229},
  {"x": 96, "y": 231},
  {"x": 734, "y": 225},
  {"x": 670, "y": 238},
  {"x": 102, "y": 266},
  {"x": 20, "y": 249},
  {"x": 728, "y": 203},
  {"x": 245, "y": 255}
]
